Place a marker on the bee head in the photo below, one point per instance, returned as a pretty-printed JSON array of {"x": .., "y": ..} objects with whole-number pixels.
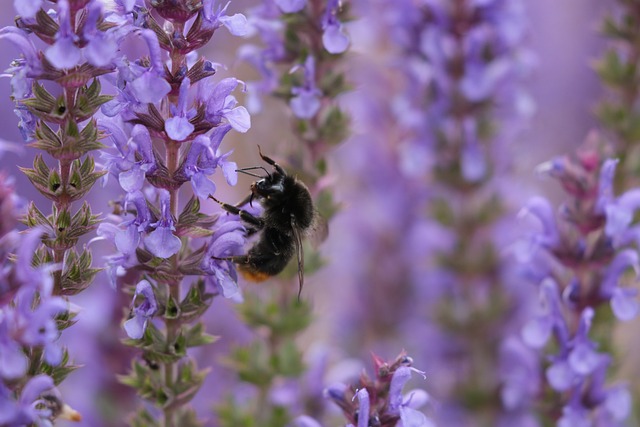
[{"x": 270, "y": 185}]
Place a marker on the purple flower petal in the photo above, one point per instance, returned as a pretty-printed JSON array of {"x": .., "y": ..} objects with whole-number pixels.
[
  {"x": 236, "y": 24},
  {"x": 132, "y": 180},
  {"x": 619, "y": 403},
  {"x": 27, "y": 8},
  {"x": 583, "y": 359},
  {"x": 291, "y": 6},
  {"x": 239, "y": 119},
  {"x": 624, "y": 303},
  {"x": 305, "y": 105},
  {"x": 363, "y": 410},
  {"x": 560, "y": 375},
  {"x": 334, "y": 39},
  {"x": 202, "y": 186},
  {"x": 537, "y": 331},
  {"x": 63, "y": 54},
  {"x": 178, "y": 128},
  {"x": 229, "y": 172},
  {"x": 162, "y": 242},
  {"x": 150, "y": 88},
  {"x": 135, "y": 327}
]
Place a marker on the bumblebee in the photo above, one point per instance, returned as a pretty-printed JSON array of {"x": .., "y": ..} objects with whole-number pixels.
[{"x": 288, "y": 215}]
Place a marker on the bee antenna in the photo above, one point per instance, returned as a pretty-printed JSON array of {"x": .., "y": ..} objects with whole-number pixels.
[{"x": 245, "y": 171}]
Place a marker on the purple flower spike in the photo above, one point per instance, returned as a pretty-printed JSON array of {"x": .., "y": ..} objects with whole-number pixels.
[
  {"x": 64, "y": 54},
  {"x": 162, "y": 242},
  {"x": 178, "y": 127},
  {"x": 136, "y": 326},
  {"x": 333, "y": 38}
]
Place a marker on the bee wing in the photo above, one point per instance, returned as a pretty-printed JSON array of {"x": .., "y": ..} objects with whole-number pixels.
[
  {"x": 297, "y": 235},
  {"x": 319, "y": 230}
]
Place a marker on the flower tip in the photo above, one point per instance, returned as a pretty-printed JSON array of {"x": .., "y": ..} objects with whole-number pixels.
[{"x": 70, "y": 414}]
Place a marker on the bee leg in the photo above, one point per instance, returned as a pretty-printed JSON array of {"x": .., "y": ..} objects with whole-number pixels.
[
  {"x": 271, "y": 162},
  {"x": 238, "y": 259},
  {"x": 257, "y": 223},
  {"x": 244, "y": 201}
]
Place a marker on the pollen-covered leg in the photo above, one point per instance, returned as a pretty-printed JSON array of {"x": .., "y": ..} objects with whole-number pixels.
[{"x": 244, "y": 215}]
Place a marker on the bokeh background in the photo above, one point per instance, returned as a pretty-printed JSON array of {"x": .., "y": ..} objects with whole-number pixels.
[{"x": 564, "y": 40}]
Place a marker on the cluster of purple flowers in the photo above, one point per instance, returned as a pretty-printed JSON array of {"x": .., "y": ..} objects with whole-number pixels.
[
  {"x": 581, "y": 259},
  {"x": 28, "y": 312}
]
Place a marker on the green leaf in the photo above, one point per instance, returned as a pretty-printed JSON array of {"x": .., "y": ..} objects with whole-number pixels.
[{"x": 195, "y": 336}]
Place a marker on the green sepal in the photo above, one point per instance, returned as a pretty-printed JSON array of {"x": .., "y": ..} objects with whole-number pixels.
[
  {"x": 155, "y": 347},
  {"x": 147, "y": 381},
  {"x": 172, "y": 309},
  {"x": 190, "y": 379},
  {"x": 44, "y": 105},
  {"x": 615, "y": 71},
  {"x": 252, "y": 364},
  {"x": 60, "y": 372},
  {"x": 89, "y": 100},
  {"x": 77, "y": 274},
  {"x": 188, "y": 418},
  {"x": 232, "y": 414},
  {"x": 44, "y": 179},
  {"x": 82, "y": 178},
  {"x": 288, "y": 360},
  {"x": 66, "y": 320},
  {"x": 334, "y": 127},
  {"x": 196, "y": 336},
  {"x": 192, "y": 223},
  {"x": 195, "y": 303},
  {"x": 142, "y": 418},
  {"x": 282, "y": 319}
]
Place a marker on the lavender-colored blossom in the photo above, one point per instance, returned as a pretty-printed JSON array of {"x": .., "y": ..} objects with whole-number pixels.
[
  {"x": 161, "y": 242},
  {"x": 147, "y": 86},
  {"x": 29, "y": 408},
  {"x": 124, "y": 164},
  {"x": 236, "y": 24},
  {"x": 203, "y": 159},
  {"x": 221, "y": 104},
  {"x": 334, "y": 38},
  {"x": 143, "y": 312},
  {"x": 228, "y": 240},
  {"x": 64, "y": 53},
  {"x": 291, "y": 6},
  {"x": 102, "y": 46},
  {"x": 306, "y": 100},
  {"x": 178, "y": 127}
]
